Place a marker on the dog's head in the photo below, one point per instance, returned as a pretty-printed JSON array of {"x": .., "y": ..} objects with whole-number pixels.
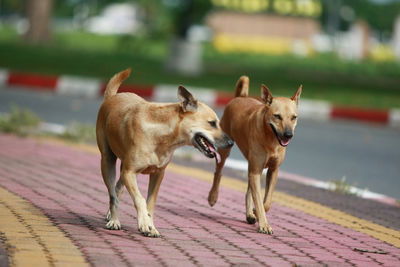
[
  {"x": 200, "y": 125},
  {"x": 281, "y": 114}
]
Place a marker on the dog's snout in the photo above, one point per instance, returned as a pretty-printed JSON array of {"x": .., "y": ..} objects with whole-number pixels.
[{"x": 288, "y": 134}]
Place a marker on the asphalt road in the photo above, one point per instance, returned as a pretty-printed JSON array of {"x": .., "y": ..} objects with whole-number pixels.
[{"x": 368, "y": 155}]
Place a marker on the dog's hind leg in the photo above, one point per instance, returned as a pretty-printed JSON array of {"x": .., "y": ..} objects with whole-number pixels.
[
  {"x": 213, "y": 194},
  {"x": 119, "y": 189},
  {"x": 250, "y": 215},
  {"x": 108, "y": 160}
]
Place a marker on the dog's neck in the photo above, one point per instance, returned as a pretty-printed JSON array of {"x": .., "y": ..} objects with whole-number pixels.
[{"x": 168, "y": 116}]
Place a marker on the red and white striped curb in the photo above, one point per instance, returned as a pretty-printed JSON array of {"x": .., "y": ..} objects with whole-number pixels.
[
  {"x": 92, "y": 87},
  {"x": 324, "y": 111}
]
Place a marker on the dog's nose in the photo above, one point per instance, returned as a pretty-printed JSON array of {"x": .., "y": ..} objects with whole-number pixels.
[
  {"x": 230, "y": 142},
  {"x": 288, "y": 134}
]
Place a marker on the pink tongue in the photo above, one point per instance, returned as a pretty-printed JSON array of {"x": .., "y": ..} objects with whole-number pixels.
[
  {"x": 216, "y": 154},
  {"x": 283, "y": 142}
]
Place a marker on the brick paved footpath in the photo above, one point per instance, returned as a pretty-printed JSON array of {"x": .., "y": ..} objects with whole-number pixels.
[{"x": 53, "y": 202}]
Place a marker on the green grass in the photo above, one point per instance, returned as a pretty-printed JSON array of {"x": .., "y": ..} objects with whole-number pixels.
[
  {"x": 79, "y": 132},
  {"x": 19, "y": 121},
  {"x": 340, "y": 186},
  {"x": 24, "y": 122},
  {"x": 366, "y": 84}
]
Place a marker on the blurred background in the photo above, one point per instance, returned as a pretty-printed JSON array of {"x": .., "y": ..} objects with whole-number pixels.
[{"x": 346, "y": 52}]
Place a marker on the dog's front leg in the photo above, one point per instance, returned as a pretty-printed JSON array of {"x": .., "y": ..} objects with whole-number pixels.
[
  {"x": 270, "y": 182},
  {"x": 154, "y": 186},
  {"x": 213, "y": 194},
  {"x": 145, "y": 223},
  {"x": 255, "y": 187}
]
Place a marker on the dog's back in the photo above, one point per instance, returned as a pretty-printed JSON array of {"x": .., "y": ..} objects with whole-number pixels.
[
  {"x": 237, "y": 113},
  {"x": 115, "y": 108}
]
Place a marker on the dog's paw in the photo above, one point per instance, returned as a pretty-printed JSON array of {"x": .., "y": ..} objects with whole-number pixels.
[
  {"x": 149, "y": 231},
  {"x": 265, "y": 230},
  {"x": 108, "y": 216},
  {"x": 146, "y": 226},
  {"x": 212, "y": 198},
  {"x": 113, "y": 225},
  {"x": 152, "y": 233},
  {"x": 251, "y": 219}
]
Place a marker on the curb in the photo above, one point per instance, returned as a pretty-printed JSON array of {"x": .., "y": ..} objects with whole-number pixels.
[
  {"x": 309, "y": 181},
  {"x": 242, "y": 166},
  {"x": 92, "y": 87}
]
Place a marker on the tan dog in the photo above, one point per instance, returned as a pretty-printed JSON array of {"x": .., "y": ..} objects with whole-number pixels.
[
  {"x": 262, "y": 130},
  {"x": 143, "y": 136}
]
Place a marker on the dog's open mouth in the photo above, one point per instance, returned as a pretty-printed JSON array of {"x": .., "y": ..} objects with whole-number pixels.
[
  {"x": 206, "y": 147},
  {"x": 283, "y": 141}
]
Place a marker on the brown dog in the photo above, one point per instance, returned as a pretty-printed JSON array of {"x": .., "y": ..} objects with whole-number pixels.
[
  {"x": 262, "y": 130},
  {"x": 143, "y": 136}
]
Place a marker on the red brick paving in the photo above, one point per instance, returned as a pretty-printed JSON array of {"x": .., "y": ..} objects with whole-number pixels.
[{"x": 66, "y": 184}]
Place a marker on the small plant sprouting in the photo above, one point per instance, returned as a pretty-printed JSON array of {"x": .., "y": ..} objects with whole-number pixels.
[
  {"x": 340, "y": 186},
  {"x": 79, "y": 132},
  {"x": 20, "y": 121}
]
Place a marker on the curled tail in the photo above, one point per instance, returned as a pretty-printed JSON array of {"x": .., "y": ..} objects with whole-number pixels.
[
  {"x": 115, "y": 82},
  {"x": 242, "y": 87}
]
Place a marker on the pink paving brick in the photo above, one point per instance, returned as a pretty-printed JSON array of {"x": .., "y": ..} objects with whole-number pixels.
[{"x": 66, "y": 185}]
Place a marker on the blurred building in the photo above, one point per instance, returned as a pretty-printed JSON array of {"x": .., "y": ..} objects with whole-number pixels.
[
  {"x": 263, "y": 33},
  {"x": 244, "y": 25},
  {"x": 294, "y": 26}
]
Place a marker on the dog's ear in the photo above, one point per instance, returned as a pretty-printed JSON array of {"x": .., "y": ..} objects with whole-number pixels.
[
  {"x": 266, "y": 95},
  {"x": 188, "y": 102},
  {"x": 296, "y": 96}
]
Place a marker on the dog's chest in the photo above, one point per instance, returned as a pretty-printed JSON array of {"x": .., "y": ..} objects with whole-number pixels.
[
  {"x": 164, "y": 159},
  {"x": 157, "y": 162},
  {"x": 274, "y": 159}
]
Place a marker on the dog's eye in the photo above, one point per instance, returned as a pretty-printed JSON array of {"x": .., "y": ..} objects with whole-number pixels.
[
  {"x": 213, "y": 124},
  {"x": 277, "y": 116},
  {"x": 294, "y": 118}
]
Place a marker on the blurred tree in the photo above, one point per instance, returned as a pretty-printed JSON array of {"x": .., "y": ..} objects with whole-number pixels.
[
  {"x": 189, "y": 12},
  {"x": 39, "y": 16},
  {"x": 185, "y": 56},
  {"x": 157, "y": 18},
  {"x": 379, "y": 15},
  {"x": 332, "y": 15},
  {"x": 165, "y": 16},
  {"x": 11, "y": 6},
  {"x": 184, "y": 18}
]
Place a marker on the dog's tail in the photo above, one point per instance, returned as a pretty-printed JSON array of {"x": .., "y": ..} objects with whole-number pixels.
[
  {"x": 242, "y": 87},
  {"x": 115, "y": 82}
]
